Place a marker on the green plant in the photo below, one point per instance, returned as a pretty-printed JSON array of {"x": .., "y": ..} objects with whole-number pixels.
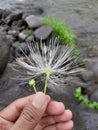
[
  {"x": 28, "y": 32},
  {"x": 87, "y": 102},
  {"x": 65, "y": 34}
]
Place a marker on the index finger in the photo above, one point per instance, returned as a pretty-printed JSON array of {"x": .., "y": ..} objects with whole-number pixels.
[{"x": 12, "y": 111}]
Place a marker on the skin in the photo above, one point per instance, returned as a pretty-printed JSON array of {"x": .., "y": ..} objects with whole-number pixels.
[{"x": 54, "y": 116}]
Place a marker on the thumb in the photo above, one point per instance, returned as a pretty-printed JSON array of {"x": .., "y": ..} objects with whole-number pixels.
[{"x": 32, "y": 113}]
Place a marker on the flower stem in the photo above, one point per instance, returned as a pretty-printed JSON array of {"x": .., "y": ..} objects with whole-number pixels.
[
  {"x": 32, "y": 84},
  {"x": 34, "y": 89},
  {"x": 46, "y": 82}
]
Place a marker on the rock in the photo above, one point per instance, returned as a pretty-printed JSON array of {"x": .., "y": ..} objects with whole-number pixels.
[
  {"x": 12, "y": 54},
  {"x": 13, "y": 32},
  {"x": 92, "y": 50},
  {"x": 22, "y": 36},
  {"x": 1, "y": 13},
  {"x": 90, "y": 6},
  {"x": 37, "y": 10},
  {"x": 5, "y": 13},
  {"x": 4, "y": 28},
  {"x": 75, "y": 81},
  {"x": 19, "y": 25},
  {"x": 94, "y": 96},
  {"x": 30, "y": 39},
  {"x": 16, "y": 44},
  {"x": 4, "y": 52},
  {"x": 21, "y": 49},
  {"x": 11, "y": 38},
  {"x": 43, "y": 32},
  {"x": 15, "y": 15},
  {"x": 86, "y": 75},
  {"x": 32, "y": 9},
  {"x": 12, "y": 35},
  {"x": 90, "y": 117},
  {"x": 93, "y": 66},
  {"x": 33, "y": 21},
  {"x": 10, "y": 88}
]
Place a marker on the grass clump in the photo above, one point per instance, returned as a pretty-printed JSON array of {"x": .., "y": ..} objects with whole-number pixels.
[{"x": 65, "y": 34}]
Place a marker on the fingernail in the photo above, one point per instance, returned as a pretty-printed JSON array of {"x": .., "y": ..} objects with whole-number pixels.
[{"x": 39, "y": 100}]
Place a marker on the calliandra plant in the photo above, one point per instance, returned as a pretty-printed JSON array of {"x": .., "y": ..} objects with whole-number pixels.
[{"x": 49, "y": 61}]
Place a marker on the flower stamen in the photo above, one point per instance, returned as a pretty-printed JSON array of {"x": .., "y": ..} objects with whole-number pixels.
[
  {"x": 32, "y": 84},
  {"x": 47, "y": 70}
]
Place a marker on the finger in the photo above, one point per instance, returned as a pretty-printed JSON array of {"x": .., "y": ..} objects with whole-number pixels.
[
  {"x": 61, "y": 126},
  {"x": 32, "y": 113},
  {"x": 4, "y": 124},
  {"x": 64, "y": 117},
  {"x": 51, "y": 120},
  {"x": 13, "y": 111},
  {"x": 55, "y": 108}
]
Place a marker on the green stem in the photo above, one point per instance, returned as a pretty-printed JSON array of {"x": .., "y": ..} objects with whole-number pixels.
[
  {"x": 46, "y": 82},
  {"x": 34, "y": 89}
]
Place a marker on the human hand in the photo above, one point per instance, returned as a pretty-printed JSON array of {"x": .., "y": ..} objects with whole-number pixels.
[{"x": 36, "y": 112}]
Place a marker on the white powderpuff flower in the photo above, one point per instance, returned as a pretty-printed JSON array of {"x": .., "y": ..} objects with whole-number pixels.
[{"x": 49, "y": 61}]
